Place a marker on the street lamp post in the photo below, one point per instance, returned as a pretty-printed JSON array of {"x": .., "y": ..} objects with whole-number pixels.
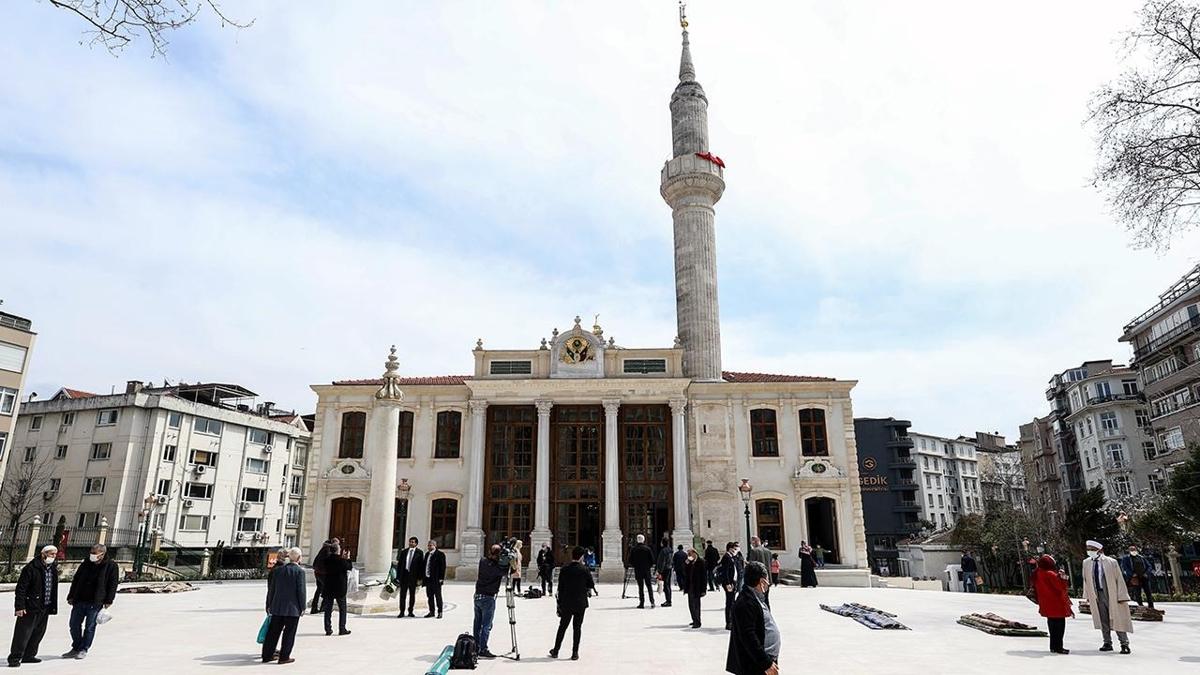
[
  {"x": 745, "y": 489},
  {"x": 145, "y": 515}
]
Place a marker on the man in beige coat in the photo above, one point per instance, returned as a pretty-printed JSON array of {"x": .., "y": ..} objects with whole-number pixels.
[{"x": 1107, "y": 596}]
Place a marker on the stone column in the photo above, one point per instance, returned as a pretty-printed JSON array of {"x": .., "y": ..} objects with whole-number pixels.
[
  {"x": 1176, "y": 571},
  {"x": 541, "y": 506},
  {"x": 205, "y": 563},
  {"x": 35, "y": 529},
  {"x": 375, "y": 542},
  {"x": 682, "y": 534},
  {"x": 472, "y": 536},
  {"x": 102, "y": 536},
  {"x": 612, "y": 567}
]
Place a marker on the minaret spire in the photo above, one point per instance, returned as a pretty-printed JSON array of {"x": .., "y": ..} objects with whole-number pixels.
[{"x": 692, "y": 183}]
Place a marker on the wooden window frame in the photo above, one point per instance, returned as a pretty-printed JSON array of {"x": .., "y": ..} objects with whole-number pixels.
[
  {"x": 776, "y": 544},
  {"x": 448, "y": 436},
  {"x": 764, "y": 434},
  {"x": 352, "y": 438},
  {"x": 404, "y": 437},
  {"x": 443, "y": 532},
  {"x": 814, "y": 433}
]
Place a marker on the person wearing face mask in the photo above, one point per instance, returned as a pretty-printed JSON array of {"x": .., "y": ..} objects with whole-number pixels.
[
  {"x": 1136, "y": 569},
  {"x": 93, "y": 588},
  {"x": 35, "y": 598},
  {"x": 695, "y": 584},
  {"x": 755, "y": 639},
  {"x": 729, "y": 576},
  {"x": 1105, "y": 591},
  {"x": 1052, "y": 600}
]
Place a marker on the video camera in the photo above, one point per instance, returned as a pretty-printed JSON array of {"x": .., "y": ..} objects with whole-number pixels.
[{"x": 508, "y": 553}]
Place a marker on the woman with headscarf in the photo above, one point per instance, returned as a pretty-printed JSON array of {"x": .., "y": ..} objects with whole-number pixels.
[
  {"x": 808, "y": 567},
  {"x": 695, "y": 584},
  {"x": 1053, "y": 602}
]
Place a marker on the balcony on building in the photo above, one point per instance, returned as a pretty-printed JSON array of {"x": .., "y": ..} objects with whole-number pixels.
[
  {"x": 903, "y": 483},
  {"x": 902, "y": 459},
  {"x": 908, "y": 505},
  {"x": 900, "y": 438}
]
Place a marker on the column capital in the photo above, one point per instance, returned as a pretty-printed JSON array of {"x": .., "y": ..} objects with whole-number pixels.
[
  {"x": 611, "y": 405},
  {"x": 478, "y": 406},
  {"x": 678, "y": 405},
  {"x": 543, "y": 407}
]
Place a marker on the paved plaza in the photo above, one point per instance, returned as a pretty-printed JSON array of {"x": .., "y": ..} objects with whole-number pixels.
[{"x": 214, "y": 629}]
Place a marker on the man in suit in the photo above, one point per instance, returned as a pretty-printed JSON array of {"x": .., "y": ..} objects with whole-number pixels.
[
  {"x": 712, "y": 558},
  {"x": 337, "y": 566},
  {"x": 410, "y": 567},
  {"x": 729, "y": 573},
  {"x": 35, "y": 598},
  {"x": 641, "y": 559},
  {"x": 760, "y": 554},
  {"x": 574, "y": 585},
  {"x": 435, "y": 574},
  {"x": 665, "y": 565},
  {"x": 754, "y": 640},
  {"x": 286, "y": 597},
  {"x": 1108, "y": 597},
  {"x": 1136, "y": 569}
]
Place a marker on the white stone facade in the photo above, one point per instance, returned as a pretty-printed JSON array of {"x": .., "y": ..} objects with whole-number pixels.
[{"x": 949, "y": 478}]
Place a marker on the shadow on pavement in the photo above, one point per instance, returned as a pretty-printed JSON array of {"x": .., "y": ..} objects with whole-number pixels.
[{"x": 226, "y": 660}]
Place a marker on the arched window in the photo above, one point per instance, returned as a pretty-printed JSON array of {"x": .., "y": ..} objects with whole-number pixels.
[
  {"x": 404, "y": 444},
  {"x": 354, "y": 430},
  {"x": 443, "y": 522},
  {"x": 813, "y": 440},
  {"x": 764, "y": 441},
  {"x": 449, "y": 431},
  {"x": 769, "y": 513}
]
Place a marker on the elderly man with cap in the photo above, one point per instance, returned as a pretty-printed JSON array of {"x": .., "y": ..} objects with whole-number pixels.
[
  {"x": 1105, "y": 591},
  {"x": 35, "y": 599}
]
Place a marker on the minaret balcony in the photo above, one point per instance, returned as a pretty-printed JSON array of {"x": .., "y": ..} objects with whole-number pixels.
[{"x": 689, "y": 175}]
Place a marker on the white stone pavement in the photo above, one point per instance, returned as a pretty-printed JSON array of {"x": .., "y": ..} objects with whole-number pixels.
[{"x": 214, "y": 629}]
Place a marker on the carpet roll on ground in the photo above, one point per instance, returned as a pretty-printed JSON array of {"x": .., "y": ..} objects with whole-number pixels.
[
  {"x": 875, "y": 619},
  {"x": 994, "y": 624},
  {"x": 1135, "y": 612}
]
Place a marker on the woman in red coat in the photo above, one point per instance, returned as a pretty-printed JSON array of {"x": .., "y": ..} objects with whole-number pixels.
[{"x": 1052, "y": 600}]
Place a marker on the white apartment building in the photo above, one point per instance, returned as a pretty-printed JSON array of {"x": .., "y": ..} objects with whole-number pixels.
[
  {"x": 293, "y": 517},
  {"x": 1110, "y": 419},
  {"x": 949, "y": 478},
  {"x": 218, "y": 470}
]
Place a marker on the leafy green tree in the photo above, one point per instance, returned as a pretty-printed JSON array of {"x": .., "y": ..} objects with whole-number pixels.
[
  {"x": 1183, "y": 492},
  {"x": 1085, "y": 519}
]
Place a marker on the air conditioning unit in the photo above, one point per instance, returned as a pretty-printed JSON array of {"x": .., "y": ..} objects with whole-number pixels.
[
  {"x": 49, "y": 494},
  {"x": 244, "y": 506},
  {"x": 162, "y": 500},
  {"x": 267, "y": 449},
  {"x": 64, "y": 428},
  {"x": 239, "y": 536},
  {"x": 264, "y": 536},
  {"x": 187, "y": 503},
  {"x": 199, "y": 469}
]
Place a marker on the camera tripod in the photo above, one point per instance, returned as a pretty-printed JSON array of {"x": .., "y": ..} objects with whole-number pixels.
[{"x": 510, "y": 601}]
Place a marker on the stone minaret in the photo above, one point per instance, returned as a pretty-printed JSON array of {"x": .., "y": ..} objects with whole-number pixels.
[{"x": 692, "y": 182}]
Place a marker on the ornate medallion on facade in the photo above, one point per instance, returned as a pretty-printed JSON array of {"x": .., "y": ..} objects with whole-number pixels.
[{"x": 577, "y": 350}]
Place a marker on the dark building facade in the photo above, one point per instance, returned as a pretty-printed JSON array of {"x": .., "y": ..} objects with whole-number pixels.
[{"x": 887, "y": 479}]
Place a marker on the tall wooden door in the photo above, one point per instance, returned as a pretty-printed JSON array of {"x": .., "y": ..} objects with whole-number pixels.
[{"x": 344, "y": 514}]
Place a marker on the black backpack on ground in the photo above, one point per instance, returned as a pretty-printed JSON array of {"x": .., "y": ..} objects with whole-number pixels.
[
  {"x": 466, "y": 653},
  {"x": 533, "y": 593}
]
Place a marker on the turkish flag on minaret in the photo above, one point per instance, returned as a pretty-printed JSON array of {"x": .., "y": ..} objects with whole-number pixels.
[{"x": 712, "y": 158}]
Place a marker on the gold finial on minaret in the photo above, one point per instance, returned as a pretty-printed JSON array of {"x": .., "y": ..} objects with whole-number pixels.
[{"x": 682, "y": 14}]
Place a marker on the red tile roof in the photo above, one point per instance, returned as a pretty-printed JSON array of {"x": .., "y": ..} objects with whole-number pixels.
[
  {"x": 733, "y": 376},
  {"x": 434, "y": 380},
  {"x": 75, "y": 393}
]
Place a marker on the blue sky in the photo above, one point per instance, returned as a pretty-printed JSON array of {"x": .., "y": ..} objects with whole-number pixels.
[{"x": 908, "y": 198}]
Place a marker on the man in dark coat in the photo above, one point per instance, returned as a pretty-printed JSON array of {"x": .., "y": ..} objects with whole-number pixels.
[
  {"x": 318, "y": 568},
  {"x": 755, "y": 640},
  {"x": 575, "y": 584},
  {"x": 678, "y": 560},
  {"x": 641, "y": 559},
  {"x": 695, "y": 584},
  {"x": 337, "y": 565},
  {"x": 435, "y": 574},
  {"x": 712, "y": 558},
  {"x": 410, "y": 568},
  {"x": 665, "y": 565},
  {"x": 93, "y": 588},
  {"x": 729, "y": 572},
  {"x": 545, "y": 566},
  {"x": 35, "y": 598},
  {"x": 285, "y": 603},
  {"x": 969, "y": 572}
]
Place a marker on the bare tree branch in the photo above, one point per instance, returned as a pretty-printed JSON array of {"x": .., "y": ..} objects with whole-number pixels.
[{"x": 117, "y": 23}]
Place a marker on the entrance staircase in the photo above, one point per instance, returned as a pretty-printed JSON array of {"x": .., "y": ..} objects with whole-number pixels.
[{"x": 841, "y": 576}]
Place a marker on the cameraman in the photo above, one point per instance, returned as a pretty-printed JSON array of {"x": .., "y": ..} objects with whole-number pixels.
[{"x": 491, "y": 575}]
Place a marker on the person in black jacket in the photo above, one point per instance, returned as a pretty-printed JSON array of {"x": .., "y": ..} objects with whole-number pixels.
[
  {"x": 575, "y": 584},
  {"x": 754, "y": 641},
  {"x": 641, "y": 559},
  {"x": 286, "y": 597},
  {"x": 545, "y": 565},
  {"x": 664, "y": 566},
  {"x": 337, "y": 566},
  {"x": 318, "y": 568},
  {"x": 93, "y": 588},
  {"x": 712, "y": 558},
  {"x": 729, "y": 572},
  {"x": 35, "y": 598},
  {"x": 695, "y": 584},
  {"x": 487, "y": 585},
  {"x": 678, "y": 560},
  {"x": 435, "y": 574},
  {"x": 409, "y": 570}
]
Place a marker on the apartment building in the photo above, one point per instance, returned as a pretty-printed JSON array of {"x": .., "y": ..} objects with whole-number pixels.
[
  {"x": 16, "y": 342},
  {"x": 1166, "y": 352},
  {"x": 949, "y": 479},
  {"x": 1065, "y": 444},
  {"x": 1001, "y": 473},
  {"x": 204, "y": 463},
  {"x": 887, "y": 481},
  {"x": 1041, "y": 466},
  {"x": 293, "y": 520}
]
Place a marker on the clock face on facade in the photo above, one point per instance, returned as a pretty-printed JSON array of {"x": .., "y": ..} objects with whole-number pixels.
[{"x": 577, "y": 350}]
